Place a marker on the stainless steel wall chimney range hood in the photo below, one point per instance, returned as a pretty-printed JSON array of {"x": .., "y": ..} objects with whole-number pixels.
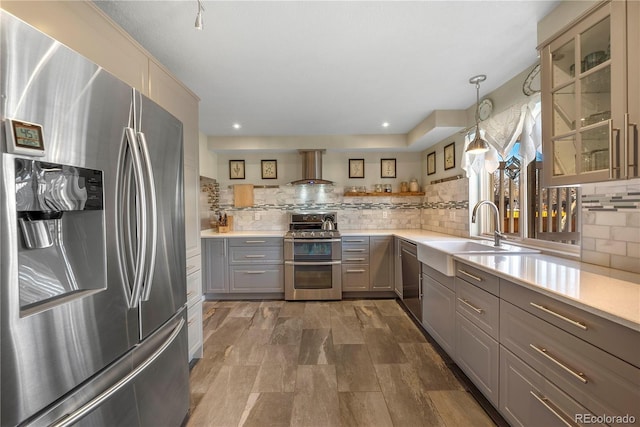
[{"x": 311, "y": 168}]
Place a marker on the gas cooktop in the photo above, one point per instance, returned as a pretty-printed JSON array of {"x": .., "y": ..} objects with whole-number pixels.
[{"x": 312, "y": 234}]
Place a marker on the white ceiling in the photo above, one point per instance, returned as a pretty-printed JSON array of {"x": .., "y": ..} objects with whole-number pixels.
[{"x": 333, "y": 67}]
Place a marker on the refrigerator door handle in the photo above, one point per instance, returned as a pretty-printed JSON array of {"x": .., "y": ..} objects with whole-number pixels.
[
  {"x": 85, "y": 409},
  {"x": 153, "y": 209},
  {"x": 141, "y": 215}
]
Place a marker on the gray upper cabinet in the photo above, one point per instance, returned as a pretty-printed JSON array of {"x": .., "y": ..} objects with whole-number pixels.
[{"x": 589, "y": 107}]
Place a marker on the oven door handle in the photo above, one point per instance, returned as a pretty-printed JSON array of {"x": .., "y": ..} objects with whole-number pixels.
[
  {"x": 313, "y": 240},
  {"x": 313, "y": 262}
]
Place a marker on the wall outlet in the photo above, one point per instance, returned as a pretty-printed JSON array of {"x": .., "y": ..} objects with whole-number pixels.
[
  {"x": 385, "y": 214},
  {"x": 256, "y": 216}
]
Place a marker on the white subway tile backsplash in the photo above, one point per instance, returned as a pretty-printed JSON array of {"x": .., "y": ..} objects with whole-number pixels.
[
  {"x": 598, "y": 258},
  {"x": 625, "y": 234},
  {"x": 611, "y": 218},
  {"x": 596, "y": 231},
  {"x": 611, "y": 247}
]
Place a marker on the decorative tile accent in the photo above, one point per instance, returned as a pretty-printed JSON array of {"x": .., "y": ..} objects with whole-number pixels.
[{"x": 611, "y": 224}]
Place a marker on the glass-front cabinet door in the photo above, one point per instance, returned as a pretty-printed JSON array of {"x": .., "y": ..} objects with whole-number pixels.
[{"x": 584, "y": 99}]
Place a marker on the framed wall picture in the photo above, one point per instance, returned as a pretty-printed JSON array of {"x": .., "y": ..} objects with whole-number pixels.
[
  {"x": 387, "y": 168},
  {"x": 269, "y": 169},
  {"x": 236, "y": 169},
  {"x": 431, "y": 163},
  {"x": 356, "y": 168},
  {"x": 450, "y": 156}
]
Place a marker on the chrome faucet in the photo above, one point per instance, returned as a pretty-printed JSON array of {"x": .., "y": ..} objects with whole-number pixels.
[{"x": 497, "y": 234}]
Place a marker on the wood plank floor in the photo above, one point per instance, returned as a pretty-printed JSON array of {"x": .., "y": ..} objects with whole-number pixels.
[{"x": 338, "y": 363}]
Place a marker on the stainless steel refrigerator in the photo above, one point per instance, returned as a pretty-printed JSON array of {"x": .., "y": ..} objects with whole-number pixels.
[{"x": 92, "y": 249}]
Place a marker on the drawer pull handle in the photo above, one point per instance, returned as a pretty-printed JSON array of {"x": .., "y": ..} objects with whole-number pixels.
[
  {"x": 254, "y": 256},
  {"x": 552, "y": 408},
  {"x": 473, "y": 276},
  {"x": 354, "y": 241},
  {"x": 255, "y": 241},
  {"x": 255, "y": 272},
  {"x": 559, "y": 316},
  {"x": 355, "y": 259},
  {"x": 543, "y": 351},
  {"x": 355, "y": 271},
  {"x": 354, "y": 250},
  {"x": 471, "y": 306}
]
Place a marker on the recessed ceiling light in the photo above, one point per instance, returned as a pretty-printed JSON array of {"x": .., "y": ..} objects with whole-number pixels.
[
  {"x": 237, "y": 126},
  {"x": 385, "y": 125}
]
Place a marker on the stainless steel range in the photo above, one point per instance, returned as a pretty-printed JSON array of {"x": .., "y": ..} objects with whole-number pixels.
[{"x": 312, "y": 254}]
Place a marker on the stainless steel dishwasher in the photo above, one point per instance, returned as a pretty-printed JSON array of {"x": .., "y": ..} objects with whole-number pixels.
[{"x": 411, "y": 279}]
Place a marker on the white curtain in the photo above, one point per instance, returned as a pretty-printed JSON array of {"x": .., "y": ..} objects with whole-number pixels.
[{"x": 502, "y": 132}]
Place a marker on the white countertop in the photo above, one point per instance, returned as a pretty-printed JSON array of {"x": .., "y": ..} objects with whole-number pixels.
[
  {"x": 210, "y": 234},
  {"x": 609, "y": 293}
]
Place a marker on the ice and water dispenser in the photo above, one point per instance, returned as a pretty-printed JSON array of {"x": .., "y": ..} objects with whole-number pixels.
[{"x": 61, "y": 230}]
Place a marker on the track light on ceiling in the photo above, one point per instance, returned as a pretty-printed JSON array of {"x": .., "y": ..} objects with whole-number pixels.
[
  {"x": 478, "y": 145},
  {"x": 199, "y": 24}
]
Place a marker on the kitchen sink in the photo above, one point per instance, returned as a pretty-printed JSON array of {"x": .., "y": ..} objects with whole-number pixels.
[{"x": 439, "y": 254}]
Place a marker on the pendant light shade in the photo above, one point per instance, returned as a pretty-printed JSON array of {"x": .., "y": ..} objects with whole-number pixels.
[{"x": 478, "y": 145}]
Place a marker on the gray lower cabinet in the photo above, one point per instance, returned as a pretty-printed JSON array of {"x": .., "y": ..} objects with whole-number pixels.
[
  {"x": 355, "y": 263},
  {"x": 214, "y": 266},
  {"x": 477, "y": 354},
  {"x": 439, "y": 308},
  {"x": 528, "y": 399},
  {"x": 477, "y": 325},
  {"x": 256, "y": 278},
  {"x": 243, "y": 265},
  {"x": 596, "y": 379},
  {"x": 367, "y": 263},
  {"x": 540, "y": 360},
  {"x": 256, "y": 265},
  {"x": 381, "y": 272}
]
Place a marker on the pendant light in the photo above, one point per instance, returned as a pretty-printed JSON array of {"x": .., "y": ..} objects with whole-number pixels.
[
  {"x": 198, "y": 24},
  {"x": 478, "y": 145}
]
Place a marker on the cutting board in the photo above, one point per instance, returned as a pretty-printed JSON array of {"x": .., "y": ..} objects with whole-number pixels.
[{"x": 243, "y": 195}]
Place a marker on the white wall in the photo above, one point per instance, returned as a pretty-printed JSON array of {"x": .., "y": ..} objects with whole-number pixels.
[
  {"x": 335, "y": 167},
  {"x": 208, "y": 159}
]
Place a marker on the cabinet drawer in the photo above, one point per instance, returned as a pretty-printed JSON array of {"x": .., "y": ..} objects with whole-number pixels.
[
  {"x": 194, "y": 288},
  {"x": 478, "y": 277},
  {"x": 443, "y": 279},
  {"x": 355, "y": 250},
  {"x": 256, "y": 241},
  {"x": 257, "y": 278},
  {"x": 355, "y": 258},
  {"x": 613, "y": 338},
  {"x": 194, "y": 330},
  {"x": 477, "y": 354},
  {"x": 597, "y": 380},
  {"x": 355, "y": 240},
  {"x": 246, "y": 255},
  {"x": 355, "y": 277},
  {"x": 479, "y": 307},
  {"x": 527, "y": 399}
]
